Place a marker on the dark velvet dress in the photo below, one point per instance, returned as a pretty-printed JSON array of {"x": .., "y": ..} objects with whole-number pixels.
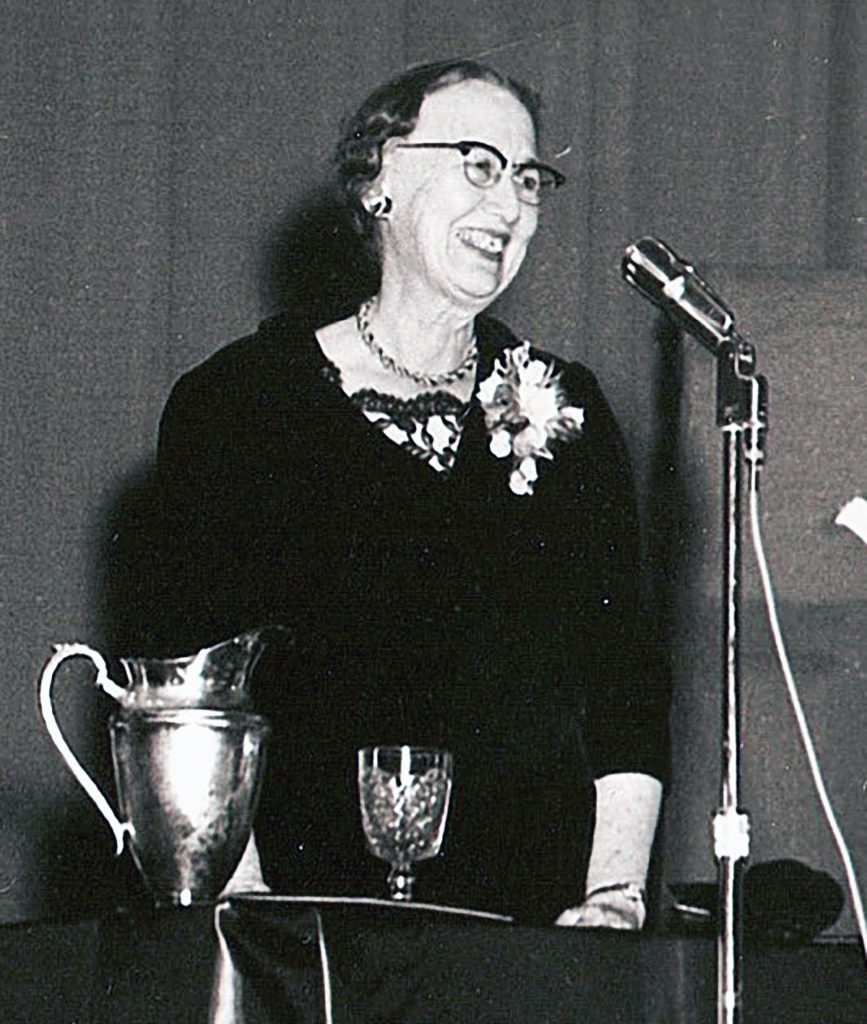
[{"x": 423, "y": 607}]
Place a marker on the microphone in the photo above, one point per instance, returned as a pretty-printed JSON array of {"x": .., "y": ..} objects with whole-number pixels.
[{"x": 671, "y": 283}]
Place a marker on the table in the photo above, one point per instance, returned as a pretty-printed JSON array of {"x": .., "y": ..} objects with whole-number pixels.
[{"x": 399, "y": 963}]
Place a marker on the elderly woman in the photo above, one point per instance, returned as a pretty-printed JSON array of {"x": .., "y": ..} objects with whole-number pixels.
[{"x": 444, "y": 518}]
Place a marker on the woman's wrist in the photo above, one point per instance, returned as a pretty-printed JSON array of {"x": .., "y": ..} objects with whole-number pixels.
[
  {"x": 629, "y": 890},
  {"x": 620, "y": 905}
]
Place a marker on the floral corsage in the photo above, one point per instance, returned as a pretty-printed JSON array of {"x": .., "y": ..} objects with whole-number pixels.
[{"x": 525, "y": 408}]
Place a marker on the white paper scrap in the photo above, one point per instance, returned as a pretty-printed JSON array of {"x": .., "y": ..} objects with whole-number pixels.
[{"x": 854, "y": 515}]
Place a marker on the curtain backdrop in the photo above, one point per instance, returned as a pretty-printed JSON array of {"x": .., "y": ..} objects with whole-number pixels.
[{"x": 164, "y": 186}]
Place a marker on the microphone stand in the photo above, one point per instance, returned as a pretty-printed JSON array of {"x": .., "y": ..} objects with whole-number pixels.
[
  {"x": 731, "y": 829},
  {"x": 669, "y": 282}
]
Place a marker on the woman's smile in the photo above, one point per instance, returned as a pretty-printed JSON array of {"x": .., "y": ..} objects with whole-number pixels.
[{"x": 489, "y": 244}]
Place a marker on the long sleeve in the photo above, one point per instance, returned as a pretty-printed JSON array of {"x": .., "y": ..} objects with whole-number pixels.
[
  {"x": 215, "y": 454},
  {"x": 593, "y": 517}
]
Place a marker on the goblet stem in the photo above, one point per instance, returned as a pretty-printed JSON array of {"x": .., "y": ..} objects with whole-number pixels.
[{"x": 400, "y": 881}]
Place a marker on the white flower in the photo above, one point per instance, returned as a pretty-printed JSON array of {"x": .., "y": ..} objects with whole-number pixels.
[
  {"x": 519, "y": 484},
  {"x": 534, "y": 371},
  {"x": 530, "y": 439},
  {"x": 528, "y": 469},
  {"x": 539, "y": 403},
  {"x": 575, "y": 415},
  {"x": 525, "y": 408},
  {"x": 488, "y": 388},
  {"x": 501, "y": 444}
]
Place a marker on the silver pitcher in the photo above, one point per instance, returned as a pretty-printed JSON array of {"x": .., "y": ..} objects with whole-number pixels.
[{"x": 188, "y": 759}]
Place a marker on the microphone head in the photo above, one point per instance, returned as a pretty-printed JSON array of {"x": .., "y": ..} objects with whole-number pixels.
[
  {"x": 669, "y": 282},
  {"x": 649, "y": 265}
]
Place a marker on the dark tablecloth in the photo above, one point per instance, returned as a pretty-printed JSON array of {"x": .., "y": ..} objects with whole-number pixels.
[{"x": 359, "y": 961}]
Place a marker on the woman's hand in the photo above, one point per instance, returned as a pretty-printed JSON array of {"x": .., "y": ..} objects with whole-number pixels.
[{"x": 617, "y": 906}]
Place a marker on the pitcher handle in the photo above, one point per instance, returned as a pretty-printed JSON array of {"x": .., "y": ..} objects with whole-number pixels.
[{"x": 62, "y": 652}]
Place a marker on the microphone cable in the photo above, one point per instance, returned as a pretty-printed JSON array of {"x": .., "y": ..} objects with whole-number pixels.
[{"x": 797, "y": 708}]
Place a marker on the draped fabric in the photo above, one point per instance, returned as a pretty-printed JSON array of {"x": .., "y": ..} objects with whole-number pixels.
[
  {"x": 364, "y": 961},
  {"x": 164, "y": 171}
]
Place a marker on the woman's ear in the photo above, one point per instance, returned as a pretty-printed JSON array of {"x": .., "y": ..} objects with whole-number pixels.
[{"x": 376, "y": 199}]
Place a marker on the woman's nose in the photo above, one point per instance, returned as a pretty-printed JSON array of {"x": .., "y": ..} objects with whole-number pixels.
[{"x": 503, "y": 196}]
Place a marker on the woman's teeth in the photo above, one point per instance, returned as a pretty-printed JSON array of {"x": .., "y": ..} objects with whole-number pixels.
[{"x": 485, "y": 241}]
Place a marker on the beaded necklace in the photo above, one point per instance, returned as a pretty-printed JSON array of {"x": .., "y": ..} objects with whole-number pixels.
[{"x": 362, "y": 320}]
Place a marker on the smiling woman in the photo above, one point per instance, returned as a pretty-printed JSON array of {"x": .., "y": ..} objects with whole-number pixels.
[
  {"x": 454, "y": 244},
  {"x": 445, "y": 519}
]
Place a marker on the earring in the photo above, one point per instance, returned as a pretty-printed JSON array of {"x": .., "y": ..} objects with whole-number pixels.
[{"x": 378, "y": 206}]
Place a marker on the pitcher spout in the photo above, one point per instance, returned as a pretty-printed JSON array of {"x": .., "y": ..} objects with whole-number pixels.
[{"x": 213, "y": 678}]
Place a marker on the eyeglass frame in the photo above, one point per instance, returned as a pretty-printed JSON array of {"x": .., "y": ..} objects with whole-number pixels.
[{"x": 465, "y": 146}]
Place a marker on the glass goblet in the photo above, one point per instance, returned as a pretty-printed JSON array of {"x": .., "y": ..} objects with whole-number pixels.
[{"x": 404, "y": 795}]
